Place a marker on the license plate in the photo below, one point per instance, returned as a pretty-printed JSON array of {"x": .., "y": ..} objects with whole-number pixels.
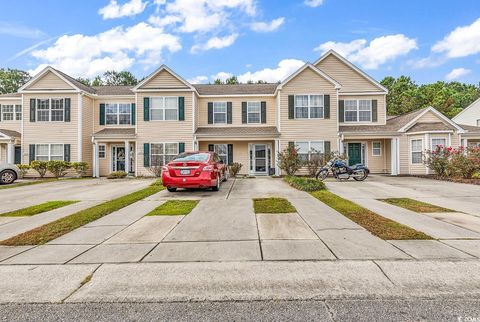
[{"x": 184, "y": 172}]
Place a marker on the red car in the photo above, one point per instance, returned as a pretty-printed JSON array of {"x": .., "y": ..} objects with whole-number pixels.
[{"x": 194, "y": 170}]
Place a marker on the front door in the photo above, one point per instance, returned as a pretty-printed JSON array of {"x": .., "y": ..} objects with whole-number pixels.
[
  {"x": 354, "y": 153},
  {"x": 18, "y": 155},
  {"x": 260, "y": 156},
  {"x": 118, "y": 159}
]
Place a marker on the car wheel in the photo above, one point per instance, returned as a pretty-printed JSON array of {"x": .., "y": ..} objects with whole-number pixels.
[
  {"x": 7, "y": 177},
  {"x": 172, "y": 189},
  {"x": 217, "y": 186}
]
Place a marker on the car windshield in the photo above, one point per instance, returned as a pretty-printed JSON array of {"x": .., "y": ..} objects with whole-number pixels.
[{"x": 196, "y": 157}]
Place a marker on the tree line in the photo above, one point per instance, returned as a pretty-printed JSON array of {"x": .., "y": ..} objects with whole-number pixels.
[{"x": 404, "y": 94}]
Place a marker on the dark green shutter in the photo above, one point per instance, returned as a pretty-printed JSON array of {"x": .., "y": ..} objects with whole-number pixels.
[
  {"x": 101, "y": 116},
  {"x": 326, "y": 146},
  {"x": 229, "y": 112},
  {"x": 31, "y": 155},
  {"x": 146, "y": 109},
  {"x": 67, "y": 109},
  {"x": 133, "y": 114},
  {"x": 326, "y": 106},
  {"x": 181, "y": 108},
  {"x": 244, "y": 112},
  {"x": 341, "y": 111},
  {"x": 181, "y": 147},
  {"x": 374, "y": 111},
  {"x": 146, "y": 155},
  {"x": 66, "y": 152},
  {"x": 211, "y": 148},
  {"x": 33, "y": 101},
  {"x": 291, "y": 107},
  {"x": 210, "y": 113},
  {"x": 263, "y": 112},
  {"x": 230, "y": 154}
]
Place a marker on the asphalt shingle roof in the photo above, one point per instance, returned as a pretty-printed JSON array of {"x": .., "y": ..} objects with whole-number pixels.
[
  {"x": 109, "y": 132},
  {"x": 10, "y": 133},
  {"x": 113, "y": 90},
  {"x": 12, "y": 95},
  {"x": 236, "y": 89},
  {"x": 238, "y": 131}
]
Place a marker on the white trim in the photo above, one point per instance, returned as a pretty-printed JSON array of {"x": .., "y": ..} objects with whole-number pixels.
[
  {"x": 194, "y": 121},
  {"x": 465, "y": 109},
  {"x": 104, "y": 150},
  {"x": 310, "y": 145},
  {"x": 437, "y": 113},
  {"x": 434, "y": 132},
  {"x": 313, "y": 68},
  {"x": 226, "y": 112},
  {"x": 79, "y": 127},
  {"x": 163, "y": 108},
  {"x": 22, "y": 126},
  {"x": 156, "y": 72},
  {"x": 163, "y": 143},
  {"x": 164, "y": 90},
  {"x": 308, "y": 107},
  {"x": 410, "y": 156},
  {"x": 50, "y": 150},
  {"x": 278, "y": 112},
  {"x": 358, "y": 112},
  {"x": 41, "y": 74},
  {"x": 348, "y": 63},
  {"x": 118, "y": 125},
  {"x": 381, "y": 148},
  {"x": 363, "y": 151},
  {"x": 259, "y": 112},
  {"x": 251, "y": 166},
  {"x": 10, "y": 98},
  {"x": 50, "y": 109},
  {"x": 361, "y": 93}
]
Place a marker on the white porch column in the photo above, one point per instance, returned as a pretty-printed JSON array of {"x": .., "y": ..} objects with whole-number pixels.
[
  {"x": 275, "y": 158},
  {"x": 465, "y": 142},
  {"x": 96, "y": 165},
  {"x": 10, "y": 152},
  {"x": 395, "y": 161},
  {"x": 127, "y": 157}
]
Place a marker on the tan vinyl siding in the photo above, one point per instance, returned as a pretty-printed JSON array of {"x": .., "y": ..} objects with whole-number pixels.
[
  {"x": 163, "y": 131},
  {"x": 105, "y": 164},
  {"x": 164, "y": 80},
  {"x": 429, "y": 117},
  {"x": 350, "y": 79},
  {"x": 379, "y": 164},
  {"x": 381, "y": 109},
  {"x": 11, "y": 125},
  {"x": 50, "y": 81},
  {"x": 87, "y": 131},
  {"x": 96, "y": 112},
  {"x": 416, "y": 168},
  {"x": 3, "y": 152},
  {"x": 202, "y": 108}
]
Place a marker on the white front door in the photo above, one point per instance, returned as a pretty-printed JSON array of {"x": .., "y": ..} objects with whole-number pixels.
[
  {"x": 260, "y": 159},
  {"x": 118, "y": 158}
]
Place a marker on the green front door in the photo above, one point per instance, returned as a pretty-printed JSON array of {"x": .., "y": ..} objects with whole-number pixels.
[{"x": 354, "y": 153}]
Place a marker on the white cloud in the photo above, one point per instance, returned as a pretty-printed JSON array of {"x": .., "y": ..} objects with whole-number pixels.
[
  {"x": 313, "y": 3},
  {"x": 267, "y": 26},
  {"x": 118, "y": 48},
  {"x": 222, "y": 76},
  {"x": 114, "y": 10},
  {"x": 462, "y": 41},
  {"x": 457, "y": 73},
  {"x": 285, "y": 68},
  {"x": 215, "y": 43},
  {"x": 370, "y": 56},
  {"x": 21, "y": 31},
  {"x": 198, "y": 79}
]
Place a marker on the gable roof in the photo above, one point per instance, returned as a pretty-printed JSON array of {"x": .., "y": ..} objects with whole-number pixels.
[
  {"x": 431, "y": 109},
  {"x": 355, "y": 68},
  {"x": 156, "y": 72},
  {"x": 235, "y": 89},
  {"x": 477, "y": 101},
  {"x": 76, "y": 83},
  {"x": 313, "y": 68},
  {"x": 435, "y": 126}
]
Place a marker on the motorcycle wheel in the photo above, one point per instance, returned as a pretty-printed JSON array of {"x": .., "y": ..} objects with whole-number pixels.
[
  {"x": 322, "y": 175},
  {"x": 362, "y": 177}
]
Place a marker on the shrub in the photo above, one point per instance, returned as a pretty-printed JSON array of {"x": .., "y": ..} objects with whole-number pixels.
[
  {"x": 156, "y": 170},
  {"x": 464, "y": 163},
  {"x": 58, "y": 168},
  {"x": 80, "y": 168},
  {"x": 234, "y": 168},
  {"x": 438, "y": 160},
  {"x": 289, "y": 160},
  {"x": 40, "y": 166},
  {"x": 476, "y": 175},
  {"x": 317, "y": 161},
  {"x": 305, "y": 184},
  {"x": 23, "y": 168},
  {"x": 117, "y": 175}
]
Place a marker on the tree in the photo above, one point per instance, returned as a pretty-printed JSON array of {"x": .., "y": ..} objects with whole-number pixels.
[
  {"x": 84, "y": 81},
  {"x": 218, "y": 81},
  {"x": 12, "y": 79},
  {"x": 232, "y": 80},
  {"x": 112, "y": 78}
]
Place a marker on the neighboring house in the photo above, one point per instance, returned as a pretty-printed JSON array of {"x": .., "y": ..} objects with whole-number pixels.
[
  {"x": 330, "y": 105},
  {"x": 470, "y": 115}
]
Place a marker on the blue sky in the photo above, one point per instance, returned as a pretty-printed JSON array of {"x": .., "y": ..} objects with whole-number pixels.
[{"x": 205, "y": 39}]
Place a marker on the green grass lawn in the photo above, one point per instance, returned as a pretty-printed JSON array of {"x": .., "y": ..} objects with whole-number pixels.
[
  {"x": 305, "y": 184},
  {"x": 415, "y": 205},
  {"x": 55, "y": 229},
  {"x": 174, "y": 208},
  {"x": 379, "y": 226},
  {"x": 37, "y": 209},
  {"x": 272, "y": 206}
]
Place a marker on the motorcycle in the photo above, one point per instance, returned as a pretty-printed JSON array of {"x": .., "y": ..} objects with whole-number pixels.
[{"x": 341, "y": 171}]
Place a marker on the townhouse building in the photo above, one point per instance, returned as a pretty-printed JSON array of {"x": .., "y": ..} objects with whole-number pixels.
[{"x": 330, "y": 105}]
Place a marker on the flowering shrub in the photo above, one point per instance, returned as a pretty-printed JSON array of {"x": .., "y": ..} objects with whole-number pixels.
[
  {"x": 438, "y": 160},
  {"x": 461, "y": 162},
  {"x": 289, "y": 160}
]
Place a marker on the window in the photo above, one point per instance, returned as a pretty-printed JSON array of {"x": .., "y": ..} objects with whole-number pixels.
[
  {"x": 7, "y": 113},
  {"x": 222, "y": 152},
  {"x": 308, "y": 150},
  {"x": 18, "y": 112},
  {"x": 377, "y": 149},
  {"x": 162, "y": 153},
  {"x": 102, "y": 151},
  {"x": 358, "y": 111},
  {"x": 309, "y": 106},
  {"x": 219, "y": 112},
  {"x": 50, "y": 110},
  {"x": 164, "y": 108},
  {"x": 253, "y": 112},
  {"x": 438, "y": 142},
  {"x": 118, "y": 114},
  {"x": 416, "y": 149},
  {"x": 48, "y": 152}
]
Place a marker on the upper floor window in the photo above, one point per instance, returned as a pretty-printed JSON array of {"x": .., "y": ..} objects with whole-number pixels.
[
  {"x": 48, "y": 152},
  {"x": 18, "y": 112},
  {"x": 358, "y": 110},
  {"x": 51, "y": 110},
  {"x": 416, "y": 150},
  {"x": 11, "y": 112},
  {"x": 118, "y": 114},
  {"x": 309, "y": 106},
  {"x": 164, "y": 108},
  {"x": 253, "y": 112},
  {"x": 309, "y": 149},
  {"x": 219, "y": 112}
]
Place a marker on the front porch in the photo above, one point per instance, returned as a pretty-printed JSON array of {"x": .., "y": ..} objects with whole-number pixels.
[{"x": 10, "y": 147}]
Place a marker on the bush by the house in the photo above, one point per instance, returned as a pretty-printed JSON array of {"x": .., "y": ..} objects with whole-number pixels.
[
  {"x": 289, "y": 160},
  {"x": 80, "y": 168},
  {"x": 234, "y": 168},
  {"x": 23, "y": 168},
  {"x": 457, "y": 163},
  {"x": 317, "y": 160},
  {"x": 438, "y": 160},
  {"x": 58, "y": 168},
  {"x": 117, "y": 175},
  {"x": 305, "y": 184},
  {"x": 40, "y": 166}
]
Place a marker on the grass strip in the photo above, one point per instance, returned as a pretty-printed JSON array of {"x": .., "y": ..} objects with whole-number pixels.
[
  {"x": 27, "y": 183},
  {"x": 305, "y": 184},
  {"x": 415, "y": 205},
  {"x": 174, "y": 208},
  {"x": 379, "y": 226},
  {"x": 37, "y": 209},
  {"x": 55, "y": 229},
  {"x": 272, "y": 206}
]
